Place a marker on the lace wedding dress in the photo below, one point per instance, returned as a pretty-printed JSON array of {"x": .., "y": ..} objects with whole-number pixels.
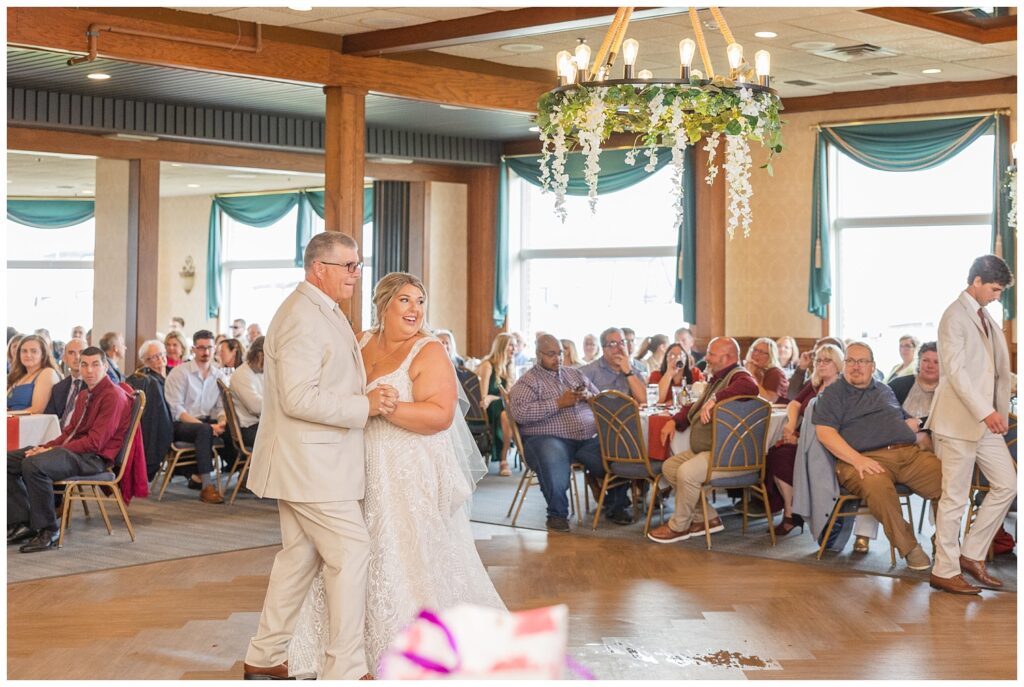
[{"x": 422, "y": 553}]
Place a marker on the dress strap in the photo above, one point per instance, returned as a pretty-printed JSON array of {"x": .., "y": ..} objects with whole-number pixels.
[
  {"x": 365, "y": 338},
  {"x": 416, "y": 347}
]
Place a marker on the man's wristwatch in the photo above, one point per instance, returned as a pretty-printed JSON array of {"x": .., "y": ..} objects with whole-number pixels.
[{"x": 628, "y": 374}]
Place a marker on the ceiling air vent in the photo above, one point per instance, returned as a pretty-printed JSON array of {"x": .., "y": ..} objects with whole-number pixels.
[
  {"x": 800, "y": 82},
  {"x": 855, "y": 53},
  {"x": 883, "y": 73}
]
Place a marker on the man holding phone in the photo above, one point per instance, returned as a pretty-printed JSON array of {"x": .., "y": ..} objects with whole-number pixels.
[{"x": 550, "y": 405}]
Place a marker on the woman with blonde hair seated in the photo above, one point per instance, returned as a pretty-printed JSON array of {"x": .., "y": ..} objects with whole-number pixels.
[
  {"x": 789, "y": 354},
  {"x": 591, "y": 349},
  {"x": 907, "y": 367},
  {"x": 570, "y": 358},
  {"x": 177, "y": 349},
  {"x": 32, "y": 376},
  {"x": 498, "y": 368},
  {"x": 763, "y": 362}
]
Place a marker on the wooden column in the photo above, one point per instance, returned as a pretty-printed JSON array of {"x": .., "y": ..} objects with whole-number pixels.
[
  {"x": 344, "y": 159},
  {"x": 482, "y": 230},
  {"x": 710, "y": 209},
  {"x": 419, "y": 230},
  {"x": 143, "y": 256}
]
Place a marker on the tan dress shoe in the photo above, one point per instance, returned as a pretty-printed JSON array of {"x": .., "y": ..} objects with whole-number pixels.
[
  {"x": 278, "y": 672},
  {"x": 211, "y": 495},
  {"x": 861, "y": 544},
  {"x": 953, "y": 585},
  {"x": 697, "y": 528},
  {"x": 976, "y": 569},
  {"x": 368, "y": 676}
]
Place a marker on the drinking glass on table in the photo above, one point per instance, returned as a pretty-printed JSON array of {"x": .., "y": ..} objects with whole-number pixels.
[{"x": 677, "y": 395}]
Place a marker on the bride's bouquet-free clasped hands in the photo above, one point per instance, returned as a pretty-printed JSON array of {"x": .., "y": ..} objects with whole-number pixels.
[{"x": 474, "y": 642}]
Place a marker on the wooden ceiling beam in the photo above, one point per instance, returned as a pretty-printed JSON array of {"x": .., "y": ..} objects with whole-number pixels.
[
  {"x": 64, "y": 30},
  {"x": 511, "y": 24},
  {"x": 1001, "y": 29}
]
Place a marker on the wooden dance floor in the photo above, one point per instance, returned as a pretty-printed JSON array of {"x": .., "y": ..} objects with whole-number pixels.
[{"x": 637, "y": 611}]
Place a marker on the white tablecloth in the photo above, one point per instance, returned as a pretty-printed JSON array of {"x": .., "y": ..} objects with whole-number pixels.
[
  {"x": 37, "y": 429},
  {"x": 681, "y": 440}
]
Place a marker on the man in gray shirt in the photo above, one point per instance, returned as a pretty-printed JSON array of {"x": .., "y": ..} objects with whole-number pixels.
[
  {"x": 860, "y": 422},
  {"x": 615, "y": 369}
]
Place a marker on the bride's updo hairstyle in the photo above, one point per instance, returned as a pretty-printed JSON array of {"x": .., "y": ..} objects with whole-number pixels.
[{"x": 386, "y": 290}]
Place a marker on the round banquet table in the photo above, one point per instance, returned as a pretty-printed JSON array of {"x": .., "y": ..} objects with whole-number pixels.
[
  {"x": 653, "y": 418},
  {"x": 31, "y": 430}
]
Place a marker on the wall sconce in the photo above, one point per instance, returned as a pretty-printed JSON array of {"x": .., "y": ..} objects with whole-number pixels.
[{"x": 188, "y": 274}]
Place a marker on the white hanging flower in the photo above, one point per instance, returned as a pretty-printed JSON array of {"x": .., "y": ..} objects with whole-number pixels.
[
  {"x": 711, "y": 148},
  {"x": 738, "y": 189}
]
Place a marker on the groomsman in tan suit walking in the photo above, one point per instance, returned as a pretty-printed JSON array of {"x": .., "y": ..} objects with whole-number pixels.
[
  {"x": 309, "y": 456},
  {"x": 968, "y": 419}
]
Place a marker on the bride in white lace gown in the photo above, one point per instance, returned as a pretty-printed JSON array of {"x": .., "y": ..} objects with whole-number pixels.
[{"x": 421, "y": 468}]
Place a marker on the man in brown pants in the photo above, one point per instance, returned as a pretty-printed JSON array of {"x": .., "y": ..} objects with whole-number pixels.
[{"x": 876, "y": 443}]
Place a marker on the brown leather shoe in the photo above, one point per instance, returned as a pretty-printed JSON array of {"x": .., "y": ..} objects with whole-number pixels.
[
  {"x": 278, "y": 672},
  {"x": 368, "y": 676},
  {"x": 953, "y": 585},
  {"x": 976, "y": 569},
  {"x": 697, "y": 528},
  {"x": 211, "y": 495}
]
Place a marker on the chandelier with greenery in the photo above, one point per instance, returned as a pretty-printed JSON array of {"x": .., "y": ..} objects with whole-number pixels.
[{"x": 588, "y": 107}]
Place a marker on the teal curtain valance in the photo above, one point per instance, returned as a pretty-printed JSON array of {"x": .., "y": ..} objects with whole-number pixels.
[
  {"x": 901, "y": 147},
  {"x": 615, "y": 175},
  {"x": 50, "y": 213},
  {"x": 262, "y": 211}
]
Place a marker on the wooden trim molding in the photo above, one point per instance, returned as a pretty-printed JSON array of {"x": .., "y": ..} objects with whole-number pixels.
[
  {"x": 997, "y": 30},
  {"x": 898, "y": 95}
]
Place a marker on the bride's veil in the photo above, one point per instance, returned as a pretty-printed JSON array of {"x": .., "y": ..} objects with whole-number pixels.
[{"x": 469, "y": 460}]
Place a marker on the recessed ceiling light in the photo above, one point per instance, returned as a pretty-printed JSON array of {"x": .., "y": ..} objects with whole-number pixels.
[
  {"x": 192, "y": 185},
  {"x": 132, "y": 137},
  {"x": 522, "y": 47},
  {"x": 452, "y": 107},
  {"x": 766, "y": 34},
  {"x": 98, "y": 76},
  {"x": 88, "y": 192},
  {"x": 813, "y": 45},
  {"x": 300, "y": 8},
  {"x": 933, "y": 70},
  {"x": 393, "y": 160},
  {"x": 534, "y": 129},
  {"x": 175, "y": 164}
]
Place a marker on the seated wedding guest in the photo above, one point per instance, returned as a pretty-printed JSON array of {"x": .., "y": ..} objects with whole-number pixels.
[
  {"x": 238, "y": 329},
  {"x": 914, "y": 393},
  {"x": 32, "y": 377},
  {"x": 875, "y": 444},
  {"x": 653, "y": 348},
  {"x": 194, "y": 399},
  {"x": 827, "y": 366},
  {"x": 447, "y": 340},
  {"x": 906, "y": 367},
  {"x": 230, "y": 355},
  {"x": 629, "y": 336},
  {"x": 677, "y": 370},
  {"x": 88, "y": 337},
  {"x": 11, "y": 333},
  {"x": 253, "y": 332},
  {"x": 176, "y": 346},
  {"x": 155, "y": 425},
  {"x": 615, "y": 369},
  {"x": 88, "y": 445},
  {"x": 78, "y": 332},
  {"x": 64, "y": 392},
  {"x": 570, "y": 358},
  {"x": 498, "y": 368},
  {"x": 57, "y": 347},
  {"x": 789, "y": 353},
  {"x": 520, "y": 358},
  {"x": 44, "y": 332},
  {"x": 686, "y": 471},
  {"x": 591, "y": 349},
  {"x": 12, "y": 350},
  {"x": 763, "y": 362},
  {"x": 798, "y": 379},
  {"x": 550, "y": 405},
  {"x": 247, "y": 391},
  {"x": 220, "y": 337},
  {"x": 112, "y": 345},
  {"x": 684, "y": 337},
  {"x": 177, "y": 324}
]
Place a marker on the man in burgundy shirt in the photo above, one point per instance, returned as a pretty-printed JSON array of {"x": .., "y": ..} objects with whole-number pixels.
[
  {"x": 687, "y": 471},
  {"x": 88, "y": 445}
]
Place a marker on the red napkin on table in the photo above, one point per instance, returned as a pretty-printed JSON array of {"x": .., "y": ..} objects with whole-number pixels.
[
  {"x": 655, "y": 449},
  {"x": 13, "y": 440}
]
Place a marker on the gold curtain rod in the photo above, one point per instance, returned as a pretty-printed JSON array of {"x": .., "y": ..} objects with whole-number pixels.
[{"x": 922, "y": 118}]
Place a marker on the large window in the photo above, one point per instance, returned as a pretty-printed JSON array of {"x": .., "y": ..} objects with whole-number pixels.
[
  {"x": 259, "y": 267},
  {"x": 905, "y": 241},
  {"x": 612, "y": 268},
  {"x": 50, "y": 278}
]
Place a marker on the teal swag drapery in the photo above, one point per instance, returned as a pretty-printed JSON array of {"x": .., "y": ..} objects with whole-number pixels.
[
  {"x": 50, "y": 213},
  {"x": 615, "y": 175},
  {"x": 262, "y": 211},
  {"x": 901, "y": 147}
]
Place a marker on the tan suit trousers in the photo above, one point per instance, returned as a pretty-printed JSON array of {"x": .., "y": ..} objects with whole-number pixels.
[
  {"x": 335, "y": 534},
  {"x": 911, "y": 466},
  {"x": 686, "y": 472}
]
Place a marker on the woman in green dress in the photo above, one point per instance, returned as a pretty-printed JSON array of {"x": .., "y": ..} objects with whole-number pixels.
[{"x": 498, "y": 368}]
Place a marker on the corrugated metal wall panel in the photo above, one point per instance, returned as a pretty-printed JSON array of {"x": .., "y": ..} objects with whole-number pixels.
[{"x": 59, "y": 110}]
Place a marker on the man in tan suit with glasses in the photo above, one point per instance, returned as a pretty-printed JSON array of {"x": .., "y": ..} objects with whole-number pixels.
[
  {"x": 968, "y": 419},
  {"x": 309, "y": 456}
]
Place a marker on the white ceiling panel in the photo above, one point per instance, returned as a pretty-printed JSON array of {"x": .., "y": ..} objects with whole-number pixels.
[
  {"x": 839, "y": 21},
  {"x": 1004, "y": 66}
]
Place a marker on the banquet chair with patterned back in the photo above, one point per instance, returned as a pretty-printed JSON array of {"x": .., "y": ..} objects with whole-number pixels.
[
  {"x": 624, "y": 450},
  {"x": 243, "y": 453},
  {"x": 182, "y": 454},
  {"x": 529, "y": 478},
  {"x": 739, "y": 437},
  {"x": 74, "y": 487},
  {"x": 980, "y": 485},
  {"x": 476, "y": 417}
]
